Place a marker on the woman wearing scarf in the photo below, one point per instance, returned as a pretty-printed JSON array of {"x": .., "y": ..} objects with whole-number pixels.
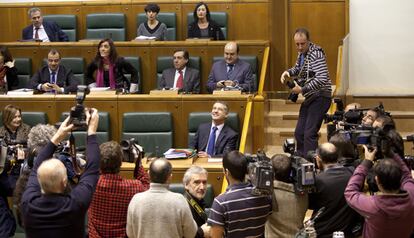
[
  {"x": 107, "y": 69},
  {"x": 8, "y": 73}
]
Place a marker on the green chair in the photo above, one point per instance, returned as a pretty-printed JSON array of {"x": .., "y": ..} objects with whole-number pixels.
[
  {"x": 34, "y": 118},
  {"x": 168, "y": 18},
  {"x": 152, "y": 130},
  {"x": 24, "y": 71},
  {"x": 197, "y": 118},
  {"x": 66, "y": 22},
  {"x": 103, "y": 132},
  {"x": 252, "y": 60},
  {"x": 208, "y": 198},
  {"x": 219, "y": 17},
  {"x": 106, "y": 25},
  {"x": 136, "y": 62},
  {"x": 165, "y": 62}
]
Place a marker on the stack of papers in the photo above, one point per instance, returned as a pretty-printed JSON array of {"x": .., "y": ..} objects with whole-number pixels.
[
  {"x": 178, "y": 153},
  {"x": 20, "y": 92},
  {"x": 145, "y": 38}
]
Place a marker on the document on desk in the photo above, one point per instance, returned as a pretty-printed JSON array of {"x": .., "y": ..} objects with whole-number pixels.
[
  {"x": 179, "y": 153},
  {"x": 21, "y": 92}
]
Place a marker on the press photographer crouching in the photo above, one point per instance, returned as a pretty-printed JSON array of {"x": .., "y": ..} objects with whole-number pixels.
[
  {"x": 388, "y": 213},
  {"x": 45, "y": 189},
  {"x": 288, "y": 206},
  {"x": 330, "y": 186}
]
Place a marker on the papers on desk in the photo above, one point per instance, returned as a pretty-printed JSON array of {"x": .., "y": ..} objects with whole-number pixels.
[
  {"x": 145, "y": 38},
  {"x": 21, "y": 92},
  {"x": 215, "y": 159},
  {"x": 179, "y": 153},
  {"x": 99, "y": 89}
]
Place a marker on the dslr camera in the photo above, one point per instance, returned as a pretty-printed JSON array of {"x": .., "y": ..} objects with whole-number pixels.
[
  {"x": 303, "y": 171},
  {"x": 77, "y": 113},
  {"x": 301, "y": 82},
  {"x": 260, "y": 173}
]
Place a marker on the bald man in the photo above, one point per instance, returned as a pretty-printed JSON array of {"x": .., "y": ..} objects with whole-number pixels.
[
  {"x": 47, "y": 208},
  {"x": 231, "y": 71}
]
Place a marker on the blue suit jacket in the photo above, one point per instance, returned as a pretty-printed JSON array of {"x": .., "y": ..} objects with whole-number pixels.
[
  {"x": 52, "y": 29},
  {"x": 242, "y": 73},
  {"x": 227, "y": 139}
]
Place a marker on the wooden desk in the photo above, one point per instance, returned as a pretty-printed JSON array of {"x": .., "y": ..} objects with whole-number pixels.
[{"x": 215, "y": 171}]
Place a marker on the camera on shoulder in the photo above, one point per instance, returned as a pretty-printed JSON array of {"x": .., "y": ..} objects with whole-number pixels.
[{"x": 260, "y": 173}]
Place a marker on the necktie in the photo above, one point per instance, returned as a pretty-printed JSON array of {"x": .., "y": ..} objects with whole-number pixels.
[
  {"x": 180, "y": 80},
  {"x": 230, "y": 70},
  {"x": 212, "y": 141},
  {"x": 53, "y": 79},
  {"x": 37, "y": 33},
  {"x": 301, "y": 60}
]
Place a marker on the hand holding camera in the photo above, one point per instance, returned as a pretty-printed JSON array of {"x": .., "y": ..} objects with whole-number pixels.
[{"x": 285, "y": 76}]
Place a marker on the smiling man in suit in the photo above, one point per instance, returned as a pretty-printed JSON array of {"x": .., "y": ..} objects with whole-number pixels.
[
  {"x": 54, "y": 77},
  {"x": 231, "y": 71},
  {"x": 213, "y": 139},
  {"x": 181, "y": 77},
  {"x": 45, "y": 31}
]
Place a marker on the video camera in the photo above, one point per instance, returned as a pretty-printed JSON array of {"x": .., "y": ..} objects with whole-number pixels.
[
  {"x": 133, "y": 153},
  {"x": 303, "y": 171},
  {"x": 260, "y": 172},
  {"x": 301, "y": 82},
  {"x": 77, "y": 113}
]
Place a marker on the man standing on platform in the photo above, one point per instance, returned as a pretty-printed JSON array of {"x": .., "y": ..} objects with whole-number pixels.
[
  {"x": 40, "y": 30},
  {"x": 54, "y": 77},
  {"x": 213, "y": 139},
  {"x": 231, "y": 71},
  {"x": 311, "y": 71},
  {"x": 181, "y": 77}
]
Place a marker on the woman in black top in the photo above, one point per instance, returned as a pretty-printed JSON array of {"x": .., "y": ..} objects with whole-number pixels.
[
  {"x": 203, "y": 26},
  {"x": 107, "y": 69}
]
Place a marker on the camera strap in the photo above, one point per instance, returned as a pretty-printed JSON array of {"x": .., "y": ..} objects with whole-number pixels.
[{"x": 196, "y": 207}]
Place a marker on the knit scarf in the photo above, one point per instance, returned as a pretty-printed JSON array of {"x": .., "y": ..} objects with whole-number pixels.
[{"x": 100, "y": 75}]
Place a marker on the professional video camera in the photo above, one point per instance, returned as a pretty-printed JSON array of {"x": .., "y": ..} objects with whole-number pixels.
[
  {"x": 303, "y": 171},
  {"x": 260, "y": 172},
  {"x": 301, "y": 82},
  {"x": 77, "y": 113}
]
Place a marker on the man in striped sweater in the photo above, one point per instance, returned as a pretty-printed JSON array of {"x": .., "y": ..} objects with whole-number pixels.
[{"x": 312, "y": 81}]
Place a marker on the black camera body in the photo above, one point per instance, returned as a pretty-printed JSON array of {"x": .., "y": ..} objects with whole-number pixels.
[
  {"x": 303, "y": 171},
  {"x": 77, "y": 113},
  {"x": 301, "y": 82},
  {"x": 260, "y": 173},
  {"x": 131, "y": 150},
  {"x": 8, "y": 152}
]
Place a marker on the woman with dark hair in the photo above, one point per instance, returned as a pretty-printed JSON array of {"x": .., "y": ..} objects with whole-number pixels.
[
  {"x": 107, "y": 69},
  {"x": 203, "y": 26},
  {"x": 8, "y": 73},
  {"x": 13, "y": 127},
  {"x": 152, "y": 27}
]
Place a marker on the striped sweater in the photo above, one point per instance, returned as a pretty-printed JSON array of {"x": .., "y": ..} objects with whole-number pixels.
[{"x": 315, "y": 61}]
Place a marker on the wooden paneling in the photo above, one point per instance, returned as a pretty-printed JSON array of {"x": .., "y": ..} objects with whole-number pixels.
[
  {"x": 326, "y": 22},
  {"x": 249, "y": 21}
]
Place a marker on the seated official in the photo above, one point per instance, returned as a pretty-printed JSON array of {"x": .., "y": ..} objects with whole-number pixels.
[
  {"x": 231, "y": 72},
  {"x": 8, "y": 71},
  {"x": 213, "y": 139},
  {"x": 195, "y": 183},
  {"x": 54, "y": 77},
  {"x": 42, "y": 30},
  {"x": 13, "y": 128},
  {"x": 152, "y": 27},
  {"x": 46, "y": 190},
  {"x": 181, "y": 77},
  {"x": 107, "y": 69},
  {"x": 203, "y": 26}
]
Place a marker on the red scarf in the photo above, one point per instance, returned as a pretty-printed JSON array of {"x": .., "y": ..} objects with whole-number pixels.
[{"x": 100, "y": 75}]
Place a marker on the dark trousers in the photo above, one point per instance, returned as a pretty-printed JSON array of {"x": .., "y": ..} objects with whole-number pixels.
[{"x": 310, "y": 120}]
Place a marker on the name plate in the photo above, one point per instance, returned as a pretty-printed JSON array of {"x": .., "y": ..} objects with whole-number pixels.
[
  {"x": 102, "y": 93},
  {"x": 163, "y": 92},
  {"x": 227, "y": 93}
]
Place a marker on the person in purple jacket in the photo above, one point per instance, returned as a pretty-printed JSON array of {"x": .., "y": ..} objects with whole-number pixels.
[
  {"x": 48, "y": 208},
  {"x": 388, "y": 213}
]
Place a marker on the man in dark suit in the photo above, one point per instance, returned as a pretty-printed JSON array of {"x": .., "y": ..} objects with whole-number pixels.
[
  {"x": 42, "y": 31},
  {"x": 213, "y": 139},
  {"x": 54, "y": 77},
  {"x": 181, "y": 77},
  {"x": 231, "y": 72}
]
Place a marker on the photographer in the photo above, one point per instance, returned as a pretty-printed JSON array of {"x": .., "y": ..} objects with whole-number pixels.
[
  {"x": 248, "y": 215},
  {"x": 289, "y": 208},
  {"x": 311, "y": 71},
  {"x": 107, "y": 214},
  {"x": 46, "y": 188},
  {"x": 330, "y": 185},
  {"x": 370, "y": 116},
  {"x": 389, "y": 213},
  {"x": 347, "y": 151}
]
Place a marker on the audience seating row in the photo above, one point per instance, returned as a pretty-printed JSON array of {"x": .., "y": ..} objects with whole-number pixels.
[
  {"x": 77, "y": 64},
  {"x": 113, "y": 25}
]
